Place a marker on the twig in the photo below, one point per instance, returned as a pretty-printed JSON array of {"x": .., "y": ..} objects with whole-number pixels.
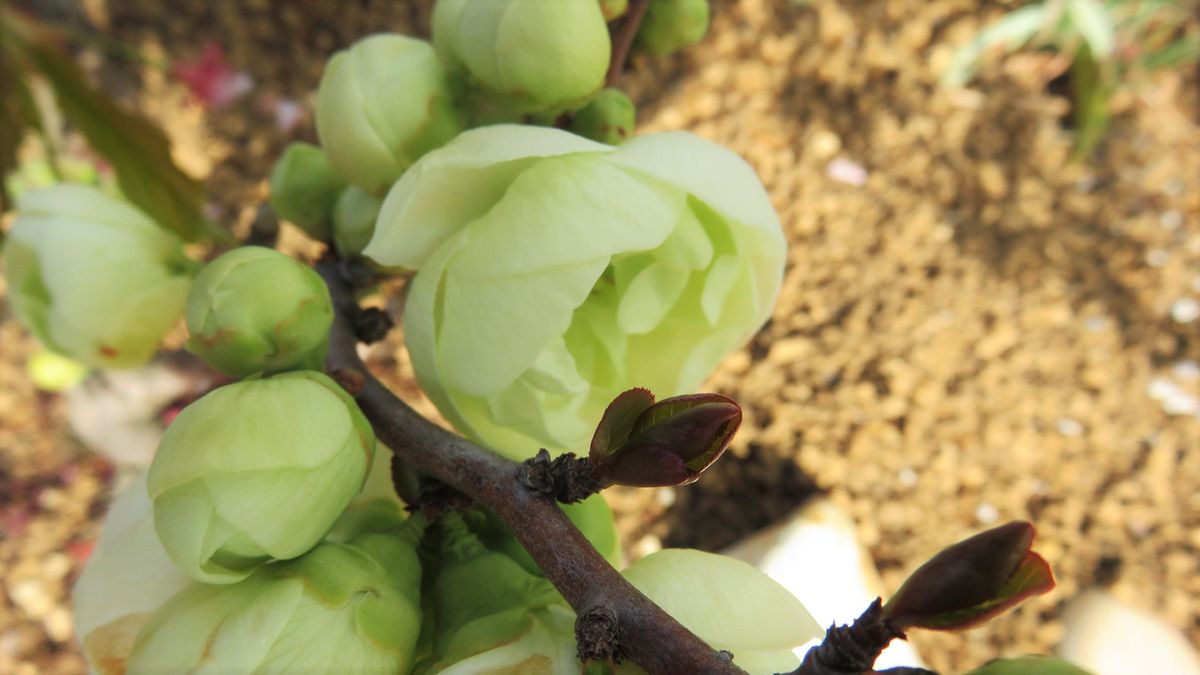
[
  {"x": 623, "y": 41},
  {"x": 646, "y": 634}
]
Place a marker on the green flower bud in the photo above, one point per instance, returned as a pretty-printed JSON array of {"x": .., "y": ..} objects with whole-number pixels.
[
  {"x": 613, "y": 9},
  {"x": 354, "y": 217},
  {"x": 128, "y": 576},
  {"x": 256, "y": 471},
  {"x": 383, "y": 103},
  {"x": 592, "y": 516},
  {"x": 254, "y": 310},
  {"x": 670, "y": 25},
  {"x": 478, "y": 624},
  {"x": 529, "y": 56},
  {"x": 304, "y": 186},
  {"x": 92, "y": 277},
  {"x": 351, "y": 607},
  {"x": 746, "y": 613},
  {"x": 609, "y": 118},
  {"x": 595, "y": 268}
]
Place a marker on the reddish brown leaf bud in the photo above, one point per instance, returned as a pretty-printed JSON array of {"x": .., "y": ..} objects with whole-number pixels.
[
  {"x": 645, "y": 444},
  {"x": 972, "y": 581}
]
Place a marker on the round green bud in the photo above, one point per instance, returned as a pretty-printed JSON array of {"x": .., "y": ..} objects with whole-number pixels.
[
  {"x": 381, "y": 104},
  {"x": 529, "y": 56},
  {"x": 92, "y": 277},
  {"x": 670, "y": 25},
  {"x": 354, "y": 217},
  {"x": 304, "y": 186},
  {"x": 613, "y": 9},
  {"x": 256, "y": 471},
  {"x": 608, "y": 118},
  {"x": 254, "y": 310},
  {"x": 351, "y": 607}
]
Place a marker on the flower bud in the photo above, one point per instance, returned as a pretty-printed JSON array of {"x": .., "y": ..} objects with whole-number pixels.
[
  {"x": 381, "y": 104},
  {"x": 592, "y": 516},
  {"x": 972, "y": 581},
  {"x": 474, "y": 618},
  {"x": 256, "y": 471},
  {"x": 746, "y": 612},
  {"x": 127, "y": 577},
  {"x": 254, "y": 309},
  {"x": 641, "y": 443},
  {"x": 1030, "y": 665},
  {"x": 351, "y": 607},
  {"x": 608, "y": 118},
  {"x": 613, "y": 9},
  {"x": 304, "y": 186},
  {"x": 354, "y": 217},
  {"x": 93, "y": 277},
  {"x": 670, "y": 25},
  {"x": 529, "y": 56}
]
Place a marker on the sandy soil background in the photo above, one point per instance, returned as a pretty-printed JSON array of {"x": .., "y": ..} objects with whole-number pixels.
[{"x": 973, "y": 327}]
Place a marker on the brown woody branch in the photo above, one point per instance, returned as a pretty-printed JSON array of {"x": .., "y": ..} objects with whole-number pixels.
[
  {"x": 622, "y": 40},
  {"x": 646, "y": 634}
]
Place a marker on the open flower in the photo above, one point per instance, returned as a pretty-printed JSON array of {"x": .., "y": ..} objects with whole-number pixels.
[
  {"x": 555, "y": 273},
  {"x": 93, "y": 277}
]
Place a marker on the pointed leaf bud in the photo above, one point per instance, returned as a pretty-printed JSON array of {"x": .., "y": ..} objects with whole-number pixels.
[
  {"x": 254, "y": 310},
  {"x": 256, "y": 471},
  {"x": 972, "y": 581},
  {"x": 670, "y": 25},
  {"x": 609, "y": 118},
  {"x": 304, "y": 186},
  {"x": 340, "y": 604},
  {"x": 670, "y": 443}
]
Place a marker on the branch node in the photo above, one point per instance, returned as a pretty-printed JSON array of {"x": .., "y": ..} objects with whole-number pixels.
[
  {"x": 597, "y": 636},
  {"x": 351, "y": 379},
  {"x": 566, "y": 478},
  {"x": 370, "y": 324},
  {"x": 853, "y": 648}
]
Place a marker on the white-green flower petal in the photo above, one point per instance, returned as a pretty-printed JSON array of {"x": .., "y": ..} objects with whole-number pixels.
[
  {"x": 548, "y": 648},
  {"x": 727, "y": 603}
]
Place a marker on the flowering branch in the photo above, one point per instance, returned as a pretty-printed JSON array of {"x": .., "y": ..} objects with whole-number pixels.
[{"x": 646, "y": 634}]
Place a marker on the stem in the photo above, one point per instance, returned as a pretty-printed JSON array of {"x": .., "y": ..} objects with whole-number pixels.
[
  {"x": 647, "y": 634},
  {"x": 623, "y": 40},
  {"x": 851, "y": 650}
]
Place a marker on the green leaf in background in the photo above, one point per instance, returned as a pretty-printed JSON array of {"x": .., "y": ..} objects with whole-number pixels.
[
  {"x": 1095, "y": 23},
  {"x": 138, "y": 150},
  {"x": 1013, "y": 31}
]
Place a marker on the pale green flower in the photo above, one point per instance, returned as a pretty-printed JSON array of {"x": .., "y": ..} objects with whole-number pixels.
[
  {"x": 255, "y": 309},
  {"x": 555, "y": 272},
  {"x": 128, "y": 576},
  {"x": 529, "y": 56},
  {"x": 349, "y": 608},
  {"x": 256, "y": 471},
  {"x": 354, "y": 216},
  {"x": 728, "y": 604},
  {"x": 93, "y": 277},
  {"x": 381, "y": 104}
]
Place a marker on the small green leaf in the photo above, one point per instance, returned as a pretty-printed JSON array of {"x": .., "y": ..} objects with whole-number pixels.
[
  {"x": 1093, "y": 21},
  {"x": 1013, "y": 31},
  {"x": 138, "y": 150},
  {"x": 617, "y": 422}
]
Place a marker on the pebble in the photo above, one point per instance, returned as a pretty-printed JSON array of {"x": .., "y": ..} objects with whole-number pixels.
[
  {"x": 846, "y": 171},
  {"x": 1069, "y": 427},
  {"x": 987, "y": 513},
  {"x": 31, "y": 597},
  {"x": 1108, "y": 637},
  {"x": 1185, "y": 310}
]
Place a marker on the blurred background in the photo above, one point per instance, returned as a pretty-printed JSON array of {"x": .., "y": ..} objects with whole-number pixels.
[{"x": 990, "y": 310}]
